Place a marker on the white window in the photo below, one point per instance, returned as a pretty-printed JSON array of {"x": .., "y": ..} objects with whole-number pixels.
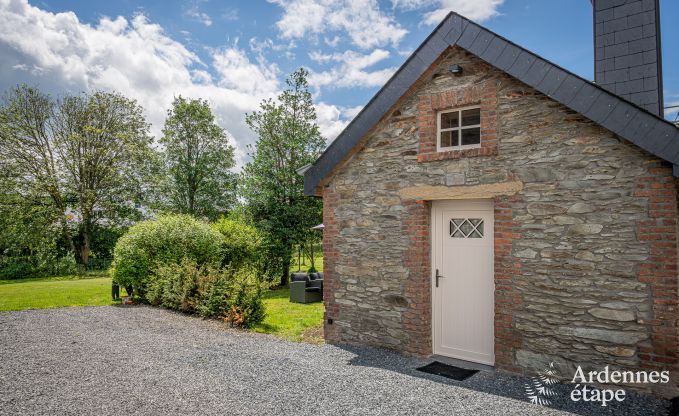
[{"x": 459, "y": 129}]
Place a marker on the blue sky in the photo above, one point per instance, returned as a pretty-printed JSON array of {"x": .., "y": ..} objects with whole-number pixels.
[{"x": 237, "y": 53}]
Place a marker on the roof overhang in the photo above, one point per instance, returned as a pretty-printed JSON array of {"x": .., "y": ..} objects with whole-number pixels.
[{"x": 627, "y": 120}]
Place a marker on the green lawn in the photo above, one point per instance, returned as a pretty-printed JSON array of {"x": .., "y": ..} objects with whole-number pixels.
[
  {"x": 293, "y": 321},
  {"x": 55, "y": 292},
  {"x": 306, "y": 263}
]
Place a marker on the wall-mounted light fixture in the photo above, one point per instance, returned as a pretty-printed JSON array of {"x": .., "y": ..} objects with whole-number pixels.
[{"x": 455, "y": 69}]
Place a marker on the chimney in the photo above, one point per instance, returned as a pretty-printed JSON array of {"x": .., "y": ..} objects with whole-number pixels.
[{"x": 627, "y": 58}]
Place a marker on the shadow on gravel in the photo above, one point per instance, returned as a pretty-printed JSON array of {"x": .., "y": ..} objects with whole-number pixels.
[{"x": 497, "y": 384}]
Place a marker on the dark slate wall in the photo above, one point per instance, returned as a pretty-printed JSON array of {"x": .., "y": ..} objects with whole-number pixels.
[{"x": 627, "y": 50}]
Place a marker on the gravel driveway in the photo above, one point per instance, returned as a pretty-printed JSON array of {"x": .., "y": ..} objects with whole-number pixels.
[{"x": 143, "y": 360}]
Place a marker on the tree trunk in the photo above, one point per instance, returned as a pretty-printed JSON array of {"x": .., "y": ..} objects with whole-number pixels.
[
  {"x": 299, "y": 259},
  {"x": 311, "y": 257},
  {"x": 68, "y": 237},
  {"x": 309, "y": 251},
  {"x": 85, "y": 251},
  {"x": 286, "y": 268}
]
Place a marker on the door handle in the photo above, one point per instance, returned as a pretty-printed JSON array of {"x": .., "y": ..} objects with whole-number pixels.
[{"x": 438, "y": 276}]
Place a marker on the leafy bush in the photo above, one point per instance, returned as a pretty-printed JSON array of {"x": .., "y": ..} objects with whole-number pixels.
[
  {"x": 247, "y": 308},
  {"x": 167, "y": 240},
  {"x": 214, "y": 289},
  {"x": 233, "y": 295},
  {"x": 16, "y": 268},
  {"x": 173, "y": 286},
  {"x": 241, "y": 244}
]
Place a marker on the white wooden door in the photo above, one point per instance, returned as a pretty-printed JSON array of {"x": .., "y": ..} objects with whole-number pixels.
[{"x": 463, "y": 301}]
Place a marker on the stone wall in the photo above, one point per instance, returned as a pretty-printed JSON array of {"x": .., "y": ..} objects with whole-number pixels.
[{"x": 585, "y": 236}]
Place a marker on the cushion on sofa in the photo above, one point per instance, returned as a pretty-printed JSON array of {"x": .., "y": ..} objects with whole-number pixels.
[{"x": 299, "y": 277}]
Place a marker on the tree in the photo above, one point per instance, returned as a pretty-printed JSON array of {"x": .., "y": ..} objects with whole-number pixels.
[
  {"x": 30, "y": 242},
  {"x": 288, "y": 139},
  {"x": 198, "y": 160},
  {"x": 85, "y": 156},
  {"x": 24, "y": 227}
]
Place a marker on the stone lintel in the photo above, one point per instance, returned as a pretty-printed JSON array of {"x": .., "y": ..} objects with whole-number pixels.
[{"x": 484, "y": 191}]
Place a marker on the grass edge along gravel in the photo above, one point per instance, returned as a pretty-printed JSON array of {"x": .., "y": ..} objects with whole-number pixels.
[{"x": 291, "y": 321}]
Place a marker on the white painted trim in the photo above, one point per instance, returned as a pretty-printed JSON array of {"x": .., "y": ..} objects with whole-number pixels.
[
  {"x": 436, "y": 232},
  {"x": 458, "y": 129}
]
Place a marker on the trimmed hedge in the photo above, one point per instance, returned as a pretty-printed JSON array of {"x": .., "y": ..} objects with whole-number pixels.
[
  {"x": 170, "y": 239},
  {"x": 233, "y": 295}
]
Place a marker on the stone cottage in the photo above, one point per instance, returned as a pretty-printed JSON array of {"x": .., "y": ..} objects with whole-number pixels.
[{"x": 491, "y": 206}]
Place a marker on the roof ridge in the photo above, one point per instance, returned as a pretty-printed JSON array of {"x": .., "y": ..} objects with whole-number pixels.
[
  {"x": 561, "y": 67},
  {"x": 622, "y": 117}
]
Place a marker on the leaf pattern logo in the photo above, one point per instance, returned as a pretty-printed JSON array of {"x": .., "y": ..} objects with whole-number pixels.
[{"x": 539, "y": 389}]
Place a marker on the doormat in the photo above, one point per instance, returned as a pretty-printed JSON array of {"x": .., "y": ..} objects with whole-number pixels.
[
  {"x": 674, "y": 407},
  {"x": 448, "y": 371}
]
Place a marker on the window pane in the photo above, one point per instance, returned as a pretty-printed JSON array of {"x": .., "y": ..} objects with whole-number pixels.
[
  {"x": 471, "y": 136},
  {"x": 466, "y": 228},
  {"x": 471, "y": 117},
  {"x": 477, "y": 231},
  {"x": 449, "y": 138},
  {"x": 449, "y": 120},
  {"x": 455, "y": 224}
]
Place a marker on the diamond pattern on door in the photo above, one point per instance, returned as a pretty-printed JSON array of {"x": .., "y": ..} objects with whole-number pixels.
[{"x": 466, "y": 227}]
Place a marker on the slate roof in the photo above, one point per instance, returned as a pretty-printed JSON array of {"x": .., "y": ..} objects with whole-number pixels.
[{"x": 627, "y": 120}]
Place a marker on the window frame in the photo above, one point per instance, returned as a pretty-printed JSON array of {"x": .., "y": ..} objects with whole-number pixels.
[{"x": 457, "y": 129}]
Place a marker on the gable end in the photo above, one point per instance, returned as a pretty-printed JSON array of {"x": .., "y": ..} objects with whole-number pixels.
[{"x": 614, "y": 113}]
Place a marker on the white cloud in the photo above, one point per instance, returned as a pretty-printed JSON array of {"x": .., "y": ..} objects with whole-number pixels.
[
  {"x": 239, "y": 74},
  {"x": 230, "y": 14},
  {"x": 260, "y": 46},
  {"x": 193, "y": 12},
  {"x": 332, "y": 42},
  {"x": 333, "y": 119},
  {"x": 351, "y": 112},
  {"x": 362, "y": 20},
  {"x": 412, "y": 4},
  {"x": 320, "y": 57},
  {"x": 329, "y": 120},
  {"x": 201, "y": 77},
  {"x": 135, "y": 57},
  {"x": 477, "y": 10},
  {"x": 351, "y": 71}
]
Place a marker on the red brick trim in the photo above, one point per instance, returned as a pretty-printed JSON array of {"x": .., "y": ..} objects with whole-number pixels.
[
  {"x": 484, "y": 94},
  {"x": 417, "y": 319},
  {"x": 330, "y": 282},
  {"x": 507, "y": 298},
  {"x": 660, "y": 270}
]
